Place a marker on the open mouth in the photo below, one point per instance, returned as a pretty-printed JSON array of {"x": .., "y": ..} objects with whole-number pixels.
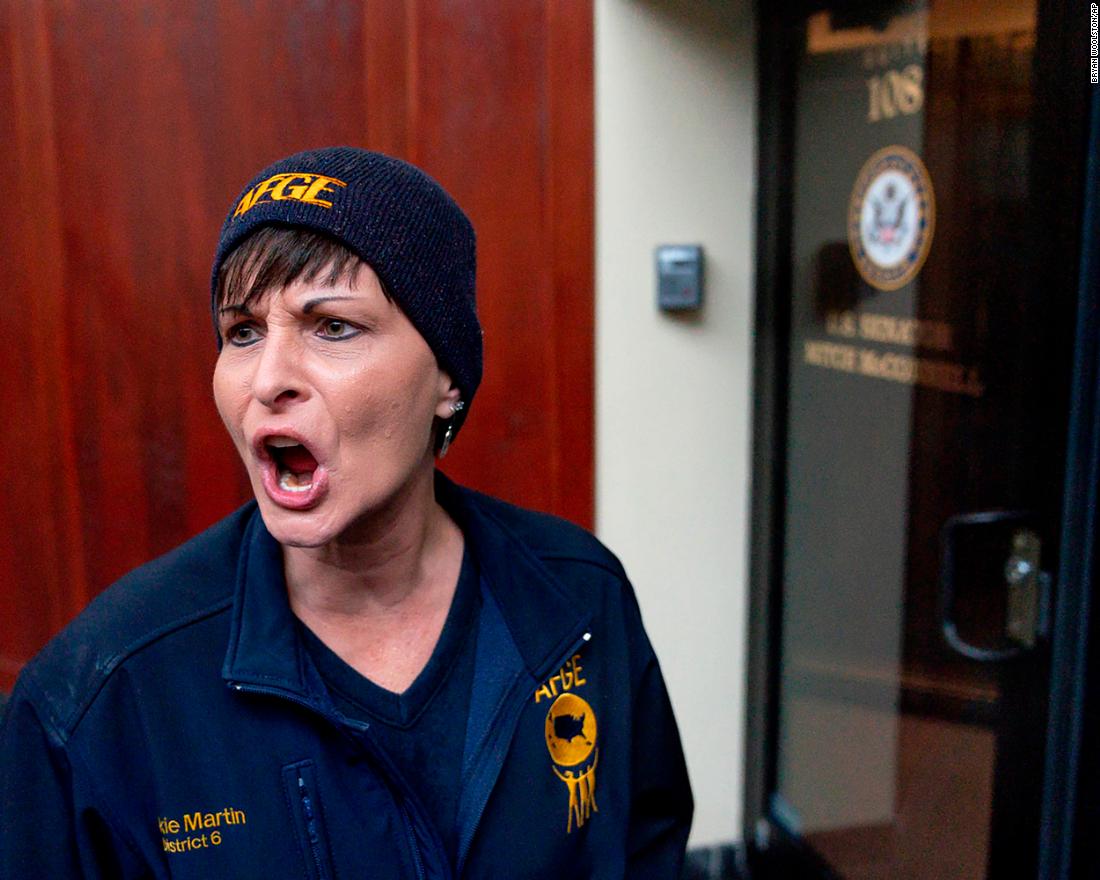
[{"x": 294, "y": 463}]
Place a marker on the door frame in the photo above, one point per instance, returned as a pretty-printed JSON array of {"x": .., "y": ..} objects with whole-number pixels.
[
  {"x": 1071, "y": 796},
  {"x": 1063, "y": 105}
]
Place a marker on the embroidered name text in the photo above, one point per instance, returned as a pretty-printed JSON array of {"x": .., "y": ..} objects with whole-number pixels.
[{"x": 189, "y": 823}]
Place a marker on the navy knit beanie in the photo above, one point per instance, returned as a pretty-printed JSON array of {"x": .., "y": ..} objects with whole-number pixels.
[{"x": 396, "y": 219}]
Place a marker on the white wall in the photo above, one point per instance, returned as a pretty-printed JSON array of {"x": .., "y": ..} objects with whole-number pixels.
[{"x": 675, "y": 141}]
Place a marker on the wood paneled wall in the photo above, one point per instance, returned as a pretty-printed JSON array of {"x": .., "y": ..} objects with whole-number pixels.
[{"x": 128, "y": 128}]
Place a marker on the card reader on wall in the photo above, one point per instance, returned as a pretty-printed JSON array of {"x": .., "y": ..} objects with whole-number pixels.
[{"x": 679, "y": 277}]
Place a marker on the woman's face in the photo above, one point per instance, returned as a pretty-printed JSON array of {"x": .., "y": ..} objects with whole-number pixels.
[{"x": 329, "y": 393}]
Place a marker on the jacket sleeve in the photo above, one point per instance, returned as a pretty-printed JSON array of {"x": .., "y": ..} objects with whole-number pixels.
[
  {"x": 661, "y": 803},
  {"x": 47, "y": 826}
]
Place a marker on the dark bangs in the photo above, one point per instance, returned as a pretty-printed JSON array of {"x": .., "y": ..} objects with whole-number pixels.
[{"x": 275, "y": 256}]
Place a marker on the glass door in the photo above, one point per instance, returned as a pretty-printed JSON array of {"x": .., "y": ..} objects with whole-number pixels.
[{"x": 926, "y": 392}]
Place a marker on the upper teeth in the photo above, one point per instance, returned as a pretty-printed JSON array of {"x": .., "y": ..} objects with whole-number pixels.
[{"x": 282, "y": 442}]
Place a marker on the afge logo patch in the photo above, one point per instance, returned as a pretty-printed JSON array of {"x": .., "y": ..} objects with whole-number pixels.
[
  {"x": 571, "y": 740},
  {"x": 570, "y": 730}
]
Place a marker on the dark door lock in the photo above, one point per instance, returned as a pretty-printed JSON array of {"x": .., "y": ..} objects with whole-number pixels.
[{"x": 1027, "y": 586}]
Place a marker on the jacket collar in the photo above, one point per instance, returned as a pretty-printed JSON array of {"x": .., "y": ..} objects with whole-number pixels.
[
  {"x": 265, "y": 649},
  {"x": 541, "y": 616},
  {"x": 264, "y": 646}
]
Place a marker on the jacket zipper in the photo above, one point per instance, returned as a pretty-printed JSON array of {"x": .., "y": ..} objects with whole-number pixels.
[
  {"x": 413, "y": 845},
  {"x": 311, "y": 827},
  {"x": 514, "y": 710},
  {"x": 306, "y": 704}
]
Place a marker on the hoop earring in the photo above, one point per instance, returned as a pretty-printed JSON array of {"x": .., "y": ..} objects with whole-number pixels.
[{"x": 449, "y": 434}]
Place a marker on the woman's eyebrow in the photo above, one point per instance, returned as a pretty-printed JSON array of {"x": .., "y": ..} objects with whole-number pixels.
[
  {"x": 310, "y": 305},
  {"x": 236, "y": 310}
]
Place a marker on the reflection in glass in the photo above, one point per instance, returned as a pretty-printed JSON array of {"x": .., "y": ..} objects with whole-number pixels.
[{"x": 907, "y": 393}]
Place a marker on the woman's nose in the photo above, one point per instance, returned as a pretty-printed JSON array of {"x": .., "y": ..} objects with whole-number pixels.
[{"x": 278, "y": 378}]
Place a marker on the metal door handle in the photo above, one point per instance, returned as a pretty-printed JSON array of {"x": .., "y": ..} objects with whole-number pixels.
[{"x": 1028, "y": 587}]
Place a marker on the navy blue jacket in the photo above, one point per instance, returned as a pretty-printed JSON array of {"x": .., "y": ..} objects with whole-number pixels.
[{"x": 179, "y": 729}]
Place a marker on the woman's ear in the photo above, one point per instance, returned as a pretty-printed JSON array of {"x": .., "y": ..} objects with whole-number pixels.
[{"x": 449, "y": 396}]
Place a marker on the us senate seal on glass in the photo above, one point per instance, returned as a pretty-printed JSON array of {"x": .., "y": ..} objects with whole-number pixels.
[{"x": 891, "y": 217}]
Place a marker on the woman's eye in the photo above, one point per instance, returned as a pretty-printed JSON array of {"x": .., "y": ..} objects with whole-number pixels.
[
  {"x": 334, "y": 328},
  {"x": 242, "y": 334}
]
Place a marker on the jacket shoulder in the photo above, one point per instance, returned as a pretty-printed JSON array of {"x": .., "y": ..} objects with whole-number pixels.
[
  {"x": 189, "y": 583},
  {"x": 547, "y": 536}
]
